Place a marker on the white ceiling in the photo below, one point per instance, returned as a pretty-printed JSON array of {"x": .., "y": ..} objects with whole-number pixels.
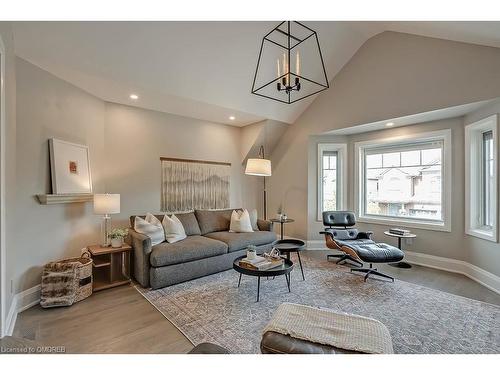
[
  {"x": 418, "y": 118},
  {"x": 199, "y": 69}
]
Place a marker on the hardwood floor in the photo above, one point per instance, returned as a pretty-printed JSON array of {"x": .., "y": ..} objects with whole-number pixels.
[
  {"x": 120, "y": 320},
  {"x": 436, "y": 279},
  {"x": 117, "y": 320}
]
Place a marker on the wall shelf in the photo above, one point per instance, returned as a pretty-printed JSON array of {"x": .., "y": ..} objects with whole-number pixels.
[{"x": 64, "y": 198}]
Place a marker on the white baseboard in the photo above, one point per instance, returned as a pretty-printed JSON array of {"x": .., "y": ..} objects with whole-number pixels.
[
  {"x": 316, "y": 245},
  {"x": 472, "y": 271},
  {"x": 21, "y": 301}
]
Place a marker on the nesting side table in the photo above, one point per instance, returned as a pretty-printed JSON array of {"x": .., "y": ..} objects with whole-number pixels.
[
  {"x": 282, "y": 223},
  {"x": 400, "y": 237}
]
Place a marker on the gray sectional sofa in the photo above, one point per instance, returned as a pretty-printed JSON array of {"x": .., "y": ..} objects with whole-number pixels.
[{"x": 209, "y": 248}]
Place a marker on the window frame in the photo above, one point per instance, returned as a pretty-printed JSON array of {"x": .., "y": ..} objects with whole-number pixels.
[
  {"x": 341, "y": 199},
  {"x": 401, "y": 141},
  {"x": 474, "y": 179}
]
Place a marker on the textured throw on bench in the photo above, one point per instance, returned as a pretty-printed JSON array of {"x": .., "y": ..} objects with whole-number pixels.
[{"x": 344, "y": 331}]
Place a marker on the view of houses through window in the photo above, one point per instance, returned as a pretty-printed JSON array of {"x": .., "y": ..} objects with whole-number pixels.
[
  {"x": 404, "y": 181},
  {"x": 329, "y": 177},
  {"x": 488, "y": 182}
]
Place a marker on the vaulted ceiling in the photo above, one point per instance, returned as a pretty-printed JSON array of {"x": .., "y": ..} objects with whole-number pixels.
[{"x": 199, "y": 69}]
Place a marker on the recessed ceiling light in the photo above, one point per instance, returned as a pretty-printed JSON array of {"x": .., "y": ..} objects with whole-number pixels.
[
  {"x": 134, "y": 96},
  {"x": 389, "y": 124},
  {"x": 232, "y": 118}
]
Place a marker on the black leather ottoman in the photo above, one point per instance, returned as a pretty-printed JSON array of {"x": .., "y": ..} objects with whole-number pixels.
[
  {"x": 302, "y": 329},
  {"x": 208, "y": 348},
  {"x": 375, "y": 253},
  {"x": 277, "y": 343}
]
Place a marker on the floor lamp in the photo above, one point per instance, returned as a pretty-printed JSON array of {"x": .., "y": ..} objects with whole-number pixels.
[{"x": 260, "y": 167}]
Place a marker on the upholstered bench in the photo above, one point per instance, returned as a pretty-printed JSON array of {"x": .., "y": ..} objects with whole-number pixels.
[{"x": 299, "y": 329}]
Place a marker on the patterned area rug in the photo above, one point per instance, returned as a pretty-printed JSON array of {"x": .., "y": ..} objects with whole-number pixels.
[{"x": 420, "y": 319}]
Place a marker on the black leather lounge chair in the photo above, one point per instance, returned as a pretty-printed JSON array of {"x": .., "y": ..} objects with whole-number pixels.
[{"x": 356, "y": 246}]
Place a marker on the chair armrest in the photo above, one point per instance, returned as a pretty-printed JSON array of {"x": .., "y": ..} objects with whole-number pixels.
[
  {"x": 141, "y": 245},
  {"x": 327, "y": 232},
  {"x": 265, "y": 225},
  {"x": 365, "y": 235}
]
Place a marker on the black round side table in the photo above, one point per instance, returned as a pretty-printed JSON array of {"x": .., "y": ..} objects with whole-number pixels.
[
  {"x": 284, "y": 269},
  {"x": 291, "y": 245},
  {"x": 400, "y": 237},
  {"x": 282, "y": 222}
]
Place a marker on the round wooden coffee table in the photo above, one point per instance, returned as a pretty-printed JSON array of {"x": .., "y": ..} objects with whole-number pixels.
[{"x": 284, "y": 269}]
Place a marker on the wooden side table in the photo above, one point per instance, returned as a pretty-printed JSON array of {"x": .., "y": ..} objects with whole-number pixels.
[{"x": 111, "y": 266}]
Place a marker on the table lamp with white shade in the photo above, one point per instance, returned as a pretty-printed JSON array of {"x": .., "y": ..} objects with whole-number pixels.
[
  {"x": 106, "y": 204},
  {"x": 260, "y": 167}
]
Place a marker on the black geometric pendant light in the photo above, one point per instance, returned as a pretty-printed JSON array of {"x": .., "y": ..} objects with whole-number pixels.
[{"x": 290, "y": 65}]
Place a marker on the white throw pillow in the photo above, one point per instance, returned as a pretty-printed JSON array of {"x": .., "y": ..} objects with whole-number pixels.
[
  {"x": 150, "y": 227},
  {"x": 253, "y": 219},
  {"x": 174, "y": 230},
  {"x": 240, "y": 222}
]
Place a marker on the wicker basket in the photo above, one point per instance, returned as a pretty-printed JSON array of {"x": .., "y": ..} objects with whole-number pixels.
[{"x": 67, "y": 281}]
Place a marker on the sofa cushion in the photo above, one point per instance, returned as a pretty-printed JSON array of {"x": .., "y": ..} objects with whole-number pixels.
[
  {"x": 132, "y": 218},
  {"x": 240, "y": 222},
  {"x": 254, "y": 219},
  {"x": 189, "y": 223},
  {"x": 213, "y": 220},
  {"x": 239, "y": 241},
  {"x": 174, "y": 230},
  {"x": 151, "y": 227},
  {"x": 188, "y": 220},
  {"x": 189, "y": 249}
]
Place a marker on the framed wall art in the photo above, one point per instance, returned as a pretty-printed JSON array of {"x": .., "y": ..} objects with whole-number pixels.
[{"x": 69, "y": 167}]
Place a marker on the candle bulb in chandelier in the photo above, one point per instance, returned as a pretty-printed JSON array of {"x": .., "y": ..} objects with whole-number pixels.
[
  {"x": 284, "y": 70},
  {"x": 297, "y": 63},
  {"x": 279, "y": 74}
]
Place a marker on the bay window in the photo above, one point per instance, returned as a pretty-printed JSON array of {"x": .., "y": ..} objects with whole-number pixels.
[
  {"x": 403, "y": 181},
  {"x": 332, "y": 179},
  {"x": 481, "y": 178}
]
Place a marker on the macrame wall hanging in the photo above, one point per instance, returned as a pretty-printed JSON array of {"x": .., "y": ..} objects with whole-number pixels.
[{"x": 194, "y": 184}]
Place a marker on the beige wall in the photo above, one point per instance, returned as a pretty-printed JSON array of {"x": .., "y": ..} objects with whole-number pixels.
[
  {"x": 135, "y": 140},
  {"x": 125, "y": 146},
  {"x": 391, "y": 75},
  {"x": 10, "y": 155},
  {"x": 49, "y": 107},
  {"x": 484, "y": 254}
]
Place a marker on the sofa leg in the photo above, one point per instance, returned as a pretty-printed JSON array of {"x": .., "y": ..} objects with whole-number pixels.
[
  {"x": 344, "y": 258},
  {"x": 372, "y": 271}
]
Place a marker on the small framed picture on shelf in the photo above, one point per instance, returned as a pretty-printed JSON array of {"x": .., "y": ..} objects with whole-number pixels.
[{"x": 69, "y": 167}]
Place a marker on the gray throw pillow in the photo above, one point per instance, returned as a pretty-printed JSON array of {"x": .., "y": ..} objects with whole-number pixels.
[
  {"x": 213, "y": 220},
  {"x": 189, "y": 223}
]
